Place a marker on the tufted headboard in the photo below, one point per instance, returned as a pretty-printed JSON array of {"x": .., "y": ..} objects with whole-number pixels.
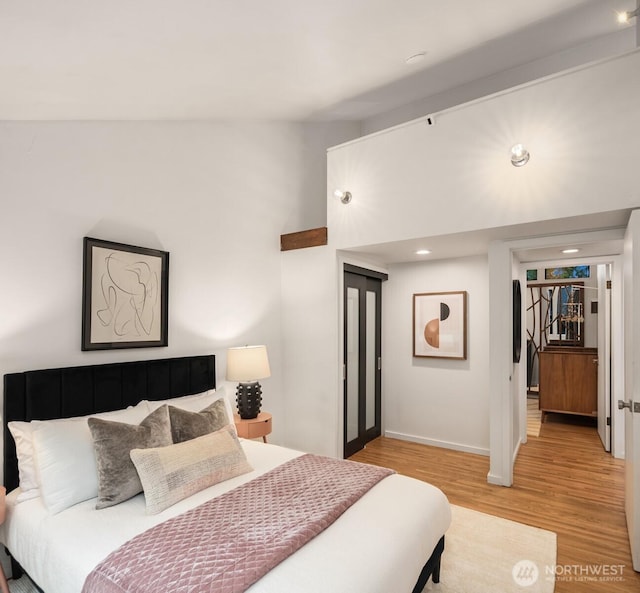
[{"x": 79, "y": 391}]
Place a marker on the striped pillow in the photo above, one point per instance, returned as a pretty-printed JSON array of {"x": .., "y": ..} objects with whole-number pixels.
[{"x": 170, "y": 474}]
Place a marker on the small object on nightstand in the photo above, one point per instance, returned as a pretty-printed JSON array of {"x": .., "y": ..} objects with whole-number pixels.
[
  {"x": 247, "y": 365},
  {"x": 4, "y": 587},
  {"x": 254, "y": 427}
]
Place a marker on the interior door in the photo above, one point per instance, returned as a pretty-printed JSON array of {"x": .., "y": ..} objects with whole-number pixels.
[
  {"x": 604, "y": 355},
  {"x": 362, "y": 360},
  {"x": 632, "y": 383}
]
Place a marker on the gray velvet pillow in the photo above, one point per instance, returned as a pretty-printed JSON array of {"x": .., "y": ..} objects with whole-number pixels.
[
  {"x": 112, "y": 441},
  {"x": 187, "y": 425}
]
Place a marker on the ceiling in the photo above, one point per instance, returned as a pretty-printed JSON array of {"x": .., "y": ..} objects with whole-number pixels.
[
  {"x": 294, "y": 60},
  {"x": 277, "y": 59},
  {"x": 595, "y": 235}
]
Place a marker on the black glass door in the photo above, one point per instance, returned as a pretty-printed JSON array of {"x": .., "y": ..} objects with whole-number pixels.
[{"x": 362, "y": 360}]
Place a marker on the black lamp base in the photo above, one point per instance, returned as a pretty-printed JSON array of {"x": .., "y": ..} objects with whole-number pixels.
[{"x": 249, "y": 399}]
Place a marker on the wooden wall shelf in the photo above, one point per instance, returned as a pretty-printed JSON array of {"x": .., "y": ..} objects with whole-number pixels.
[{"x": 303, "y": 239}]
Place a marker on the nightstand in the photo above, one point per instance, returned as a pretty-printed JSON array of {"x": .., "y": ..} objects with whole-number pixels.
[
  {"x": 254, "y": 427},
  {"x": 4, "y": 587}
]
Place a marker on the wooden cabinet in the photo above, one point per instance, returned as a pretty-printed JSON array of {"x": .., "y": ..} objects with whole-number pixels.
[{"x": 569, "y": 381}]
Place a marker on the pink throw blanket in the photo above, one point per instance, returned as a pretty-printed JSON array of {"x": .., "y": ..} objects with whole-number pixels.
[{"x": 229, "y": 542}]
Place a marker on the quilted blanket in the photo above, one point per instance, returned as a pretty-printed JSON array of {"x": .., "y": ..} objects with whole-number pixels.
[{"x": 229, "y": 542}]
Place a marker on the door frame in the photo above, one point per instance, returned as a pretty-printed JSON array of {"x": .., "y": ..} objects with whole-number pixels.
[
  {"x": 604, "y": 354},
  {"x": 507, "y": 384},
  {"x": 616, "y": 440}
]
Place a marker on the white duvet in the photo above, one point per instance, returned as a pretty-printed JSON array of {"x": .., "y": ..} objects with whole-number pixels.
[{"x": 379, "y": 545}]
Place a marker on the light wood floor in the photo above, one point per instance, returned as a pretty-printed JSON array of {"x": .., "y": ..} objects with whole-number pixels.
[
  {"x": 563, "y": 482},
  {"x": 534, "y": 417}
]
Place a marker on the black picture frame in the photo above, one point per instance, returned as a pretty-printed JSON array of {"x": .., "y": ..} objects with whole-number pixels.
[
  {"x": 517, "y": 321},
  {"x": 125, "y": 296}
]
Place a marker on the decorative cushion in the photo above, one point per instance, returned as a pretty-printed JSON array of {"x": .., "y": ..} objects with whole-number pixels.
[
  {"x": 64, "y": 459},
  {"x": 187, "y": 425},
  {"x": 196, "y": 402},
  {"x": 170, "y": 474},
  {"x": 117, "y": 477}
]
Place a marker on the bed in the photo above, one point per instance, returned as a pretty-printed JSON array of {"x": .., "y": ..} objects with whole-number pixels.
[{"x": 390, "y": 539}]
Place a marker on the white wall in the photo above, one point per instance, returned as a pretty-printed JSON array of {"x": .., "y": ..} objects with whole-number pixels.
[
  {"x": 416, "y": 180},
  {"x": 602, "y": 47},
  {"x": 430, "y": 400},
  {"x": 311, "y": 171},
  {"x": 217, "y": 196},
  {"x": 310, "y": 349}
]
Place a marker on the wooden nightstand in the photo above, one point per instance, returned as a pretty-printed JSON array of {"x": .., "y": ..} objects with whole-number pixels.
[
  {"x": 254, "y": 427},
  {"x": 4, "y": 587}
]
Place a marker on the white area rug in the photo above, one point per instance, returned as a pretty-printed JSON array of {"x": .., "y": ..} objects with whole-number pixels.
[
  {"x": 487, "y": 554},
  {"x": 480, "y": 556}
]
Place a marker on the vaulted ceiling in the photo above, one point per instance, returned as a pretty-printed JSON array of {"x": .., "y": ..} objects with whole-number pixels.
[{"x": 270, "y": 59}]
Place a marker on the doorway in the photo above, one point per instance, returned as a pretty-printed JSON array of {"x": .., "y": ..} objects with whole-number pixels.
[
  {"x": 568, "y": 346},
  {"x": 362, "y": 376}
]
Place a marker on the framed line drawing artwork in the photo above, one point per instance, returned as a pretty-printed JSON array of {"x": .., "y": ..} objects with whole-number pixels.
[
  {"x": 125, "y": 292},
  {"x": 440, "y": 325}
]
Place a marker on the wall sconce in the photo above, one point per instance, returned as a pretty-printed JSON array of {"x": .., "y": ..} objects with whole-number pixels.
[
  {"x": 247, "y": 364},
  {"x": 343, "y": 196},
  {"x": 519, "y": 155},
  {"x": 625, "y": 17}
]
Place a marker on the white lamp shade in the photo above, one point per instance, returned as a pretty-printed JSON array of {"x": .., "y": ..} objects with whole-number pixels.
[{"x": 247, "y": 363}]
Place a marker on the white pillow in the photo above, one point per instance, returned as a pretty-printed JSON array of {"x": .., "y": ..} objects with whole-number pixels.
[
  {"x": 65, "y": 460},
  {"x": 22, "y": 435},
  {"x": 197, "y": 402}
]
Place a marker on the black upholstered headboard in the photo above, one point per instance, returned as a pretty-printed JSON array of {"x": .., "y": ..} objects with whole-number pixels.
[{"x": 78, "y": 391}]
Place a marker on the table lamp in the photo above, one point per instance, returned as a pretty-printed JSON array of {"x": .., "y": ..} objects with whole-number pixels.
[{"x": 247, "y": 364}]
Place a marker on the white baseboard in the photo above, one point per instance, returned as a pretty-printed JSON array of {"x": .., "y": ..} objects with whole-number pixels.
[
  {"x": 495, "y": 480},
  {"x": 437, "y": 443}
]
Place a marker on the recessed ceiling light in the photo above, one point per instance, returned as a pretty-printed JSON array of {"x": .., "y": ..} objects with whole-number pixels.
[
  {"x": 423, "y": 252},
  {"x": 415, "y": 58},
  {"x": 573, "y": 250}
]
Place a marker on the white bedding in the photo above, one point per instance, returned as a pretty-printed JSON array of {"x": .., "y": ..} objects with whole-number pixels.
[{"x": 378, "y": 545}]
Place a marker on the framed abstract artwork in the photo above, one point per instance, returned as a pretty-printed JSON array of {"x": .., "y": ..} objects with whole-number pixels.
[
  {"x": 125, "y": 292},
  {"x": 440, "y": 325}
]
